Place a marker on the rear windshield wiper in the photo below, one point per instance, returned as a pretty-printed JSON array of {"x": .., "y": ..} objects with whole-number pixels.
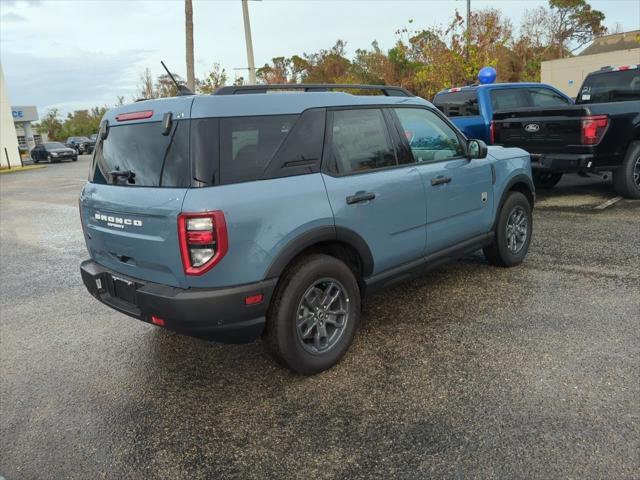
[{"x": 127, "y": 174}]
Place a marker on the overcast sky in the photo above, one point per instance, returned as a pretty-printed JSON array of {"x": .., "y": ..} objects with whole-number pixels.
[{"x": 81, "y": 53}]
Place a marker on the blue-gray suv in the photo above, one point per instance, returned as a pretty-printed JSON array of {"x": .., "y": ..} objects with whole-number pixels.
[{"x": 246, "y": 213}]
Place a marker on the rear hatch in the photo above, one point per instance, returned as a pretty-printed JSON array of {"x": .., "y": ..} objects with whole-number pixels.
[
  {"x": 541, "y": 130},
  {"x": 138, "y": 180}
]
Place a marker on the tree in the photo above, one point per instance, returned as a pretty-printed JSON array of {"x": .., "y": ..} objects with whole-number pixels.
[
  {"x": 50, "y": 125},
  {"x": 573, "y": 24},
  {"x": 146, "y": 88},
  {"x": 279, "y": 71},
  {"x": 188, "y": 15},
  {"x": 216, "y": 78}
]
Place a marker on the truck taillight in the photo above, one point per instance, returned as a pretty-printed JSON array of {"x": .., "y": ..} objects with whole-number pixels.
[
  {"x": 492, "y": 133},
  {"x": 593, "y": 128},
  {"x": 203, "y": 240}
]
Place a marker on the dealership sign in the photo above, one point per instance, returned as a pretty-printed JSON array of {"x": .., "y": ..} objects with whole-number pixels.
[{"x": 24, "y": 114}]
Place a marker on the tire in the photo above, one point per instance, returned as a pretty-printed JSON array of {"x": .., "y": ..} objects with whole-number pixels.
[
  {"x": 49, "y": 159},
  {"x": 626, "y": 179},
  {"x": 545, "y": 180},
  {"x": 300, "y": 293},
  {"x": 501, "y": 253},
  {"x": 74, "y": 159}
]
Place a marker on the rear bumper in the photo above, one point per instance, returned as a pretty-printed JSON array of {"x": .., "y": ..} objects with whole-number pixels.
[
  {"x": 218, "y": 314},
  {"x": 563, "y": 163}
]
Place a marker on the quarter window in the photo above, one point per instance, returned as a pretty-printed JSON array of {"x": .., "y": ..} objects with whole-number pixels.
[
  {"x": 430, "y": 138},
  {"x": 247, "y": 145},
  {"x": 360, "y": 141}
]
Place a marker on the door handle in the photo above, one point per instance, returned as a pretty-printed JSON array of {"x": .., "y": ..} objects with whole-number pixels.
[
  {"x": 440, "y": 180},
  {"x": 360, "y": 197}
]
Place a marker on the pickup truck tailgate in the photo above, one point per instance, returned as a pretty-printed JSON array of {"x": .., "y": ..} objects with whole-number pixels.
[{"x": 538, "y": 130}]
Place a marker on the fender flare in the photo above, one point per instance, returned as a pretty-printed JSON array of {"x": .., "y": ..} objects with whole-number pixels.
[
  {"x": 520, "y": 178},
  {"x": 318, "y": 235}
]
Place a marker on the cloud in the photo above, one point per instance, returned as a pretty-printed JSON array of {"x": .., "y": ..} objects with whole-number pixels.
[
  {"x": 13, "y": 17},
  {"x": 75, "y": 81}
]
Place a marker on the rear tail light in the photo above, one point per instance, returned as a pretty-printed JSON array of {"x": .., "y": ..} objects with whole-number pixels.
[
  {"x": 492, "y": 132},
  {"x": 203, "y": 240},
  {"x": 593, "y": 128}
]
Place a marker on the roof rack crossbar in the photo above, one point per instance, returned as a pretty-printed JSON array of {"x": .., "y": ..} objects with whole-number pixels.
[{"x": 389, "y": 91}]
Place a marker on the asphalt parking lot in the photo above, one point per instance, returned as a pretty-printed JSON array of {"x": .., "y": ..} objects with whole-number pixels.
[{"x": 470, "y": 372}]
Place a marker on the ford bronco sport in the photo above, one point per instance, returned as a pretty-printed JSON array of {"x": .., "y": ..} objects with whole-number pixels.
[{"x": 244, "y": 214}]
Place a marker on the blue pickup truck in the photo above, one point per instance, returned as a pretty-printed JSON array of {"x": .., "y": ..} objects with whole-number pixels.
[{"x": 471, "y": 108}]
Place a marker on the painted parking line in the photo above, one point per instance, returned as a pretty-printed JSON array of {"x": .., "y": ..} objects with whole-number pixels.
[{"x": 608, "y": 203}]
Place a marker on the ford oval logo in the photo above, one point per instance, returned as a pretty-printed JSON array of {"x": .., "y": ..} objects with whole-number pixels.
[{"x": 532, "y": 127}]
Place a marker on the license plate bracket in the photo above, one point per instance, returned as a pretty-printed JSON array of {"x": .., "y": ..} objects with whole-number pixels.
[{"x": 124, "y": 289}]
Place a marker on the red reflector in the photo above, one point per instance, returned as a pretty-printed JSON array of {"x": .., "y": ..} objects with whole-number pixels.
[
  {"x": 492, "y": 133},
  {"x": 199, "y": 237},
  {"x": 157, "y": 321},
  {"x": 134, "y": 115},
  {"x": 624, "y": 67},
  {"x": 254, "y": 299}
]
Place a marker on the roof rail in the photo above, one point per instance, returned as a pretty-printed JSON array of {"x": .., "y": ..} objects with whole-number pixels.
[{"x": 387, "y": 90}]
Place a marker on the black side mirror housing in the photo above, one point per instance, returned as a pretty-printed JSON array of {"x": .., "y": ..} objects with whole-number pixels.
[{"x": 476, "y": 149}]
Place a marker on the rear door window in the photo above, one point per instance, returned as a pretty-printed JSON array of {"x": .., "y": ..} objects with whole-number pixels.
[
  {"x": 360, "y": 141},
  {"x": 247, "y": 145},
  {"x": 545, "y": 97},
  {"x": 153, "y": 159},
  {"x": 458, "y": 104},
  {"x": 509, "y": 98}
]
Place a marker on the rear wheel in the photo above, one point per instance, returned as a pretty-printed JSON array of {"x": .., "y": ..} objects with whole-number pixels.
[
  {"x": 626, "y": 179},
  {"x": 546, "y": 179},
  {"x": 314, "y": 314},
  {"x": 513, "y": 232}
]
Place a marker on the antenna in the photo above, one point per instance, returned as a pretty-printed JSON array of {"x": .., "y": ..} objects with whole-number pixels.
[{"x": 182, "y": 90}]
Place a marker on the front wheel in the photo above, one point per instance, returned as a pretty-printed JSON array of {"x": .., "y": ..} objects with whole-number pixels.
[
  {"x": 544, "y": 180},
  {"x": 314, "y": 314},
  {"x": 626, "y": 179},
  {"x": 513, "y": 232}
]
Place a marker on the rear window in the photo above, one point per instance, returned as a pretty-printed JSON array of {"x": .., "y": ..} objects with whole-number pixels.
[
  {"x": 458, "y": 104},
  {"x": 247, "y": 145},
  {"x": 154, "y": 159},
  {"x": 545, "y": 97},
  {"x": 618, "y": 86}
]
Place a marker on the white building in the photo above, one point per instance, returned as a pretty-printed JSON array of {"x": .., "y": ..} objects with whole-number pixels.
[
  {"x": 22, "y": 118},
  {"x": 9, "y": 153}
]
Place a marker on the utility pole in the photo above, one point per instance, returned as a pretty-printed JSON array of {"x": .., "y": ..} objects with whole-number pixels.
[
  {"x": 468, "y": 29},
  {"x": 249, "y": 42},
  {"x": 188, "y": 17}
]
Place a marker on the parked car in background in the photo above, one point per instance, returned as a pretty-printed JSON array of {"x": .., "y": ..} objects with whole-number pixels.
[
  {"x": 240, "y": 214},
  {"x": 53, "y": 152},
  {"x": 93, "y": 137},
  {"x": 82, "y": 145},
  {"x": 601, "y": 133},
  {"x": 471, "y": 108}
]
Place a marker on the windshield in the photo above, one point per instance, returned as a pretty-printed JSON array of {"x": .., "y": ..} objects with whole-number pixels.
[
  {"x": 615, "y": 86},
  {"x": 153, "y": 159},
  {"x": 54, "y": 145}
]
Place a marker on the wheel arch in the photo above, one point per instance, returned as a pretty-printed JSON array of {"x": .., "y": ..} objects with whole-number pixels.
[
  {"x": 520, "y": 183},
  {"x": 340, "y": 242}
]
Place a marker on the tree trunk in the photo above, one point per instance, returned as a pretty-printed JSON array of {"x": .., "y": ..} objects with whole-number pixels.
[{"x": 188, "y": 15}]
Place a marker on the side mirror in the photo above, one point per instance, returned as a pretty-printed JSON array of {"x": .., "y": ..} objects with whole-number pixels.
[{"x": 476, "y": 149}]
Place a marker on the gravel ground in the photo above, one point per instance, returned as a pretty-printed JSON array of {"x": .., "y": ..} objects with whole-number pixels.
[{"x": 470, "y": 372}]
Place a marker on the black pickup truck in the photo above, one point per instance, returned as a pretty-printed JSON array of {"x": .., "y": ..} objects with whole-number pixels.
[{"x": 600, "y": 133}]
